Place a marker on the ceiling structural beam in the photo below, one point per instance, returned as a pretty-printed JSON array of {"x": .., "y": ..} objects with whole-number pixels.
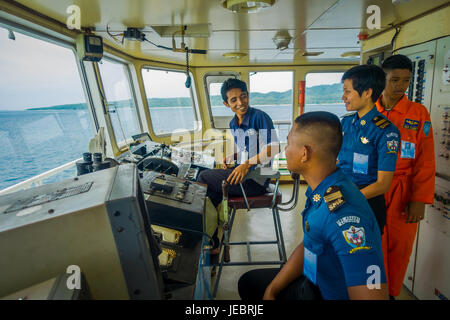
[{"x": 395, "y": 26}]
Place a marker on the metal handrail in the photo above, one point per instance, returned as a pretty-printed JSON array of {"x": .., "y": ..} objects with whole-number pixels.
[
  {"x": 282, "y": 122},
  {"x": 37, "y": 180},
  {"x": 294, "y": 192},
  {"x": 294, "y": 196}
]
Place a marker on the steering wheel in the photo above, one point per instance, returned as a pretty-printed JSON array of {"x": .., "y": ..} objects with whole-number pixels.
[{"x": 158, "y": 164}]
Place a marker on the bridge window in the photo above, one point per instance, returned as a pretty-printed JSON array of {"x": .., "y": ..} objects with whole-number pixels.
[
  {"x": 324, "y": 93},
  {"x": 120, "y": 107},
  {"x": 220, "y": 114},
  {"x": 170, "y": 103},
  {"x": 272, "y": 92},
  {"x": 44, "y": 120}
]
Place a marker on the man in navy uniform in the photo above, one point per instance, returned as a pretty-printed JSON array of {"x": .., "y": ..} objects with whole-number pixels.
[
  {"x": 256, "y": 143},
  {"x": 340, "y": 256},
  {"x": 369, "y": 150}
]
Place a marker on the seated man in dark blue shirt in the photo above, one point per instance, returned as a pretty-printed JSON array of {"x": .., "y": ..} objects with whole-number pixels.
[
  {"x": 340, "y": 256},
  {"x": 256, "y": 143}
]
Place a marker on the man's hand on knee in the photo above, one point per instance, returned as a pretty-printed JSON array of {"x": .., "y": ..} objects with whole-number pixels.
[{"x": 239, "y": 173}]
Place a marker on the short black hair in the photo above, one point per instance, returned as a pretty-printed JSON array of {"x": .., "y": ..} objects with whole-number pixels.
[
  {"x": 232, "y": 83},
  {"x": 325, "y": 127},
  {"x": 365, "y": 77},
  {"x": 397, "y": 61}
]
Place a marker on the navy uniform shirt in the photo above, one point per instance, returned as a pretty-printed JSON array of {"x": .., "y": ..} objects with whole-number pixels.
[
  {"x": 369, "y": 145},
  {"x": 342, "y": 240},
  {"x": 255, "y": 132}
]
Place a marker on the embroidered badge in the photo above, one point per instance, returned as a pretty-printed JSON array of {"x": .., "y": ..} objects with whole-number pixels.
[
  {"x": 347, "y": 219},
  {"x": 316, "y": 197},
  {"x": 392, "y": 146},
  {"x": 426, "y": 127},
  {"x": 364, "y": 140},
  {"x": 411, "y": 124},
  {"x": 392, "y": 134},
  {"x": 381, "y": 122},
  {"x": 333, "y": 198},
  {"x": 356, "y": 238},
  {"x": 363, "y": 122}
]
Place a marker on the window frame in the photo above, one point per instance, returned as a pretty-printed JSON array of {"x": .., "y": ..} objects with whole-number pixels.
[
  {"x": 293, "y": 89},
  {"x": 322, "y": 71},
  {"x": 32, "y": 31},
  {"x": 278, "y": 123},
  {"x": 35, "y": 31},
  {"x": 192, "y": 91},
  {"x": 126, "y": 64},
  {"x": 206, "y": 83}
]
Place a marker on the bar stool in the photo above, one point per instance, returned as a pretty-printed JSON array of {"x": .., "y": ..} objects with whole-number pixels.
[{"x": 271, "y": 199}]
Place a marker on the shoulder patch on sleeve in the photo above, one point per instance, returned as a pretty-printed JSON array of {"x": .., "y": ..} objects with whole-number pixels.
[
  {"x": 333, "y": 198},
  {"x": 381, "y": 122},
  {"x": 355, "y": 238},
  {"x": 426, "y": 127}
]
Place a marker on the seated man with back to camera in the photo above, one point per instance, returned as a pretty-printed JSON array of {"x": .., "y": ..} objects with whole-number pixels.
[
  {"x": 255, "y": 143},
  {"x": 340, "y": 256}
]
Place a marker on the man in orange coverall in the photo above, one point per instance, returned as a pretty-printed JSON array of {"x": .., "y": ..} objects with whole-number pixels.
[{"x": 413, "y": 183}]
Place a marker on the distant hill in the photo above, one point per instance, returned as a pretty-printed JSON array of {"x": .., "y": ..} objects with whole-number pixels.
[
  {"x": 314, "y": 95},
  {"x": 330, "y": 93},
  {"x": 77, "y": 106}
]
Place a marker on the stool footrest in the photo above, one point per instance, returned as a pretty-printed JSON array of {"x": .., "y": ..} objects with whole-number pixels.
[
  {"x": 234, "y": 204},
  {"x": 244, "y": 263},
  {"x": 252, "y": 243}
]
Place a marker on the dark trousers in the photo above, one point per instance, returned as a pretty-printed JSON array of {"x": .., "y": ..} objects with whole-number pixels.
[
  {"x": 378, "y": 206},
  {"x": 253, "y": 284},
  {"x": 214, "y": 177}
]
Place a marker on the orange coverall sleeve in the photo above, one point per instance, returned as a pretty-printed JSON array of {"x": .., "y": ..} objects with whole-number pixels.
[{"x": 424, "y": 167}]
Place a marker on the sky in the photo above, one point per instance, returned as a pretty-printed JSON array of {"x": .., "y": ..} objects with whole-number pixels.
[{"x": 35, "y": 73}]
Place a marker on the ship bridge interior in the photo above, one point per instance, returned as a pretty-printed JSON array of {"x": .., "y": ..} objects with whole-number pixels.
[{"x": 106, "y": 76}]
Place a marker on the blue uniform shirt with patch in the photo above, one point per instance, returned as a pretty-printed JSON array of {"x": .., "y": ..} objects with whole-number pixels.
[
  {"x": 342, "y": 244},
  {"x": 369, "y": 145},
  {"x": 255, "y": 132}
]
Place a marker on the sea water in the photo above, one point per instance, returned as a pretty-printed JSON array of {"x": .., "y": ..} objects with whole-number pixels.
[{"x": 35, "y": 141}]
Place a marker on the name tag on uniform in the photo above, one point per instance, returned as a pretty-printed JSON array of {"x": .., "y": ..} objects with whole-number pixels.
[
  {"x": 411, "y": 124},
  {"x": 360, "y": 163},
  {"x": 310, "y": 265},
  {"x": 408, "y": 150}
]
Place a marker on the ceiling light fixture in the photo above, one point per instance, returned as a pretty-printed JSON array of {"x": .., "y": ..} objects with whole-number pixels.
[
  {"x": 282, "y": 39},
  {"x": 243, "y": 6}
]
